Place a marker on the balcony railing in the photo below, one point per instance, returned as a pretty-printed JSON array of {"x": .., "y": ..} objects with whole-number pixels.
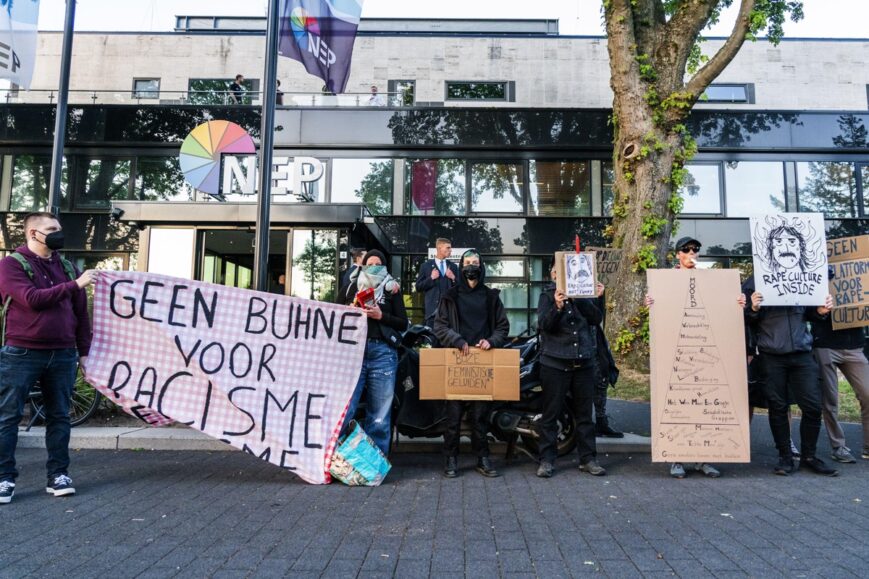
[{"x": 208, "y": 97}]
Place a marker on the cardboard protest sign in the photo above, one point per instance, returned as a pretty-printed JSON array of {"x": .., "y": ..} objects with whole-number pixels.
[
  {"x": 269, "y": 374},
  {"x": 849, "y": 281},
  {"x": 607, "y": 262},
  {"x": 698, "y": 370},
  {"x": 448, "y": 374},
  {"x": 575, "y": 273},
  {"x": 790, "y": 258}
]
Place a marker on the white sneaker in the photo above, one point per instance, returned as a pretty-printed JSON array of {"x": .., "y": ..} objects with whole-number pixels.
[
  {"x": 7, "y": 489},
  {"x": 60, "y": 486}
]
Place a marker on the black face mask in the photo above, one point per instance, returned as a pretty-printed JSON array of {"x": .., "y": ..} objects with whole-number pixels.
[
  {"x": 54, "y": 240},
  {"x": 472, "y": 272}
]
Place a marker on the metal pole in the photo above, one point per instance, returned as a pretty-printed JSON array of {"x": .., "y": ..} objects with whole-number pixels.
[
  {"x": 266, "y": 152},
  {"x": 60, "y": 113}
]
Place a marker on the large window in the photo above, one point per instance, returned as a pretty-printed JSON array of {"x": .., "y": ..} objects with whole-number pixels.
[
  {"x": 753, "y": 187},
  {"x": 402, "y": 93},
  {"x": 30, "y": 178},
  {"x": 702, "y": 190},
  {"x": 560, "y": 188},
  {"x": 828, "y": 188},
  {"x": 215, "y": 91},
  {"x": 367, "y": 181},
  {"x": 435, "y": 187},
  {"x": 99, "y": 180},
  {"x": 496, "y": 188},
  {"x": 480, "y": 91},
  {"x": 160, "y": 179},
  {"x": 146, "y": 88},
  {"x": 729, "y": 93},
  {"x": 607, "y": 194}
]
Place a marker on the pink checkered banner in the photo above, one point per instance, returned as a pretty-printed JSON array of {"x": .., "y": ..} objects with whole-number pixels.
[{"x": 269, "y": 374}]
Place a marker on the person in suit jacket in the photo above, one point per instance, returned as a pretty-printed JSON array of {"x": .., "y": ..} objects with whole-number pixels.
[
  {"x": 358, "y": 254},
  {"x": 436, "y": 277}
]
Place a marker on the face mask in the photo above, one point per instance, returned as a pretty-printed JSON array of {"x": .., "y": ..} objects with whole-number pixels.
[
  {"x": 54, "y": 240},
  {"x": 472, "y": 272},
  {"x": 374, "y": 269}
]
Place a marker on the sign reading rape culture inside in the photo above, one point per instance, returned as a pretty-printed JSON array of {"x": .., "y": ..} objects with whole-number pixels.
[{"x": 269, "y": 374}]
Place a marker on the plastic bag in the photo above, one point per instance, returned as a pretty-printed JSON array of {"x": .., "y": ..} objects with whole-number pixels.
[{"x": 358, "y": 461}]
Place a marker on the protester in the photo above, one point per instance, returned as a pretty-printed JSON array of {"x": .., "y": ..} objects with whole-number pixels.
[
  {"x": 356, "y": 254},
  {"x": 568, "y": 363},
  {"x": 237, "y": 90},
  {"x": 470, "y": 314},
  {"x": 436, "y": 277},
  {"x": 785, "y": 347},
  {"x": 387, "y": 318},
  {"x": 375, "y": 100},
  {"x": 687, "y": 250},
  {"x": 48, "y": 334},
  {"x": 841, "y": 350},
  {"x": 279, "y": 94}
]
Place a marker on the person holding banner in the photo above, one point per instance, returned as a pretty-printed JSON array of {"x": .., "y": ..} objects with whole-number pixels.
[
  {"x": 47, "y": 335},
  {"x": 470, "y": 313},
  {"x": 378, "y": 294},
  {"x": 568, "y": 362}
]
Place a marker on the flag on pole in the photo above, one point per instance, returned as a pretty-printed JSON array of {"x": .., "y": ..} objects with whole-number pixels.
[
  {"x": 320, "y": 34},
  {"x": 18, "y": 40}
]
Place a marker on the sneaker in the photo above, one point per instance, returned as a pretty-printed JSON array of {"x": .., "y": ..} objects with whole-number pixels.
[
  {"x": 451, "y": 468},
  {"x": 785, "y": 466},
  {"x": 592, "y": 468},
  {"x": 545, "y": 469},
  {"x": 843, "y": 454},
  {"x": 484, "y": 467},
  {"x": 677, "y": 470},
  {"x": 60, "y": 486},
  {"x": 707, "y": 469},
  {"x": 818, "y": 466},
  {"x": 866, "y": 453},
  {"x": 795, "y": 452},
  {"x": 7, "y": 489}
]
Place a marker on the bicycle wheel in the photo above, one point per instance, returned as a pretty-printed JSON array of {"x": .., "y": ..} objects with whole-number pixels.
[{"x": 85, "y": 401}]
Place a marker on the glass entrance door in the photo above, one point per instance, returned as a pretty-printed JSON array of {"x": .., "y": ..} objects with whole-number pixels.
[
  {"x": 227, "y": 258},
  {"x": 314, "y": 264}
]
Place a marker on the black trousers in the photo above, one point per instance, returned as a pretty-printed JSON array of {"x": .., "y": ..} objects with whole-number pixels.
[
  {"x": 580, "y": 382},
  {"x": 600, "y": 398},
  {"x": 793, "y": 377},
  {"x": 478, "y": 415}
]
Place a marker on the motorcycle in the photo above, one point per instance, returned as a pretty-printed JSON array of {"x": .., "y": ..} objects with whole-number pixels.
[{"x": 510, "y": 421}]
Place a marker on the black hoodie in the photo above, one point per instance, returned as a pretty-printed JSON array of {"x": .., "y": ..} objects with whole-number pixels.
[{"x": 467, "y": 315}]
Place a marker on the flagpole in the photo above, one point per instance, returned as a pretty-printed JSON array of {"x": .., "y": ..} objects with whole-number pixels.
[
  {"x": 60, "y": 114},
  {"x": 267, "y": 137}
]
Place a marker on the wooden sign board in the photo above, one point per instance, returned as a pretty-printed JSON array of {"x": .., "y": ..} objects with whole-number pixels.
[
  {"x": 575, "y": 273},
  {"x": 448, "y": 374},
  {"x": 608, "y": 259},
  {"x": 699, "y": 377},
  {"x": 847, "y": 248},
  {"x": 849, "y": 286}
]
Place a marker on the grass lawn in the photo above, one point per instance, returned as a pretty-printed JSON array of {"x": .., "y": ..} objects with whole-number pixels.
[{"x": 634, "y": 386}]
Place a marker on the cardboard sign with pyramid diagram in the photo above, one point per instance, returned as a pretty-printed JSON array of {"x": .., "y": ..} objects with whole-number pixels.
[{"x": 699, "y": 383}]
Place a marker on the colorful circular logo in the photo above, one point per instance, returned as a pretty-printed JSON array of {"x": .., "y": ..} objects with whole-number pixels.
[
  {"x": 203, "y": 147},
  {"x": 301, "y": 23}
]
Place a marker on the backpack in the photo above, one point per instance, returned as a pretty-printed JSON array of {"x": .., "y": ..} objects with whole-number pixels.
[{"x": 68, "y": 268}]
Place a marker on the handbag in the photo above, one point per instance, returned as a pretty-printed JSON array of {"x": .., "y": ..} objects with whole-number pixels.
[{"x": 358, "y": 461}]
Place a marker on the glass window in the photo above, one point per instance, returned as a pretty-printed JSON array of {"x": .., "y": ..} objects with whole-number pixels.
[
  {"x": 513, "y": 295},
  {"x": 726, "y": 93},
  {"x": 30, "y": 178},
  {"x": 368, "y": 181},
  {"x": 146, "y": 88},
  {"x": 160, "y": 179},
  {"x": 477, "y": 91},
  {"x": 215, "y": 91},
  {"x": 402, "y": 93},
  {"x": 702, "y": 189},
  {"x": 608, "y": 179},
  {"x": 518, "y": 321},
  {"x": 828, "y": 188},
  {"x": 436, "y": 187},
  {"x": 560, "y": 188},
  {"x": 170, "y": 251},
  {"x": 98, "y": 181},
  {"x": 496, "y": 188},
  {"x": 505, "y": 268},
  {"x": 754, "y": 187}
]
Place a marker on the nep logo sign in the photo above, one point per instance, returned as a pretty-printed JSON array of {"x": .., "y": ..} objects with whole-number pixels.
[{"x": 306, "y": 31}]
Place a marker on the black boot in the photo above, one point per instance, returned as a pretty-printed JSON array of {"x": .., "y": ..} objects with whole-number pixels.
[
  {"x": 602, "y": 428},
  {"x": 484, "y": 467},
  {"x": 451, "y": 468}
]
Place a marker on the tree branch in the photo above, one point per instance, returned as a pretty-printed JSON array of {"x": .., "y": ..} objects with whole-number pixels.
[
  {"x": 621, "y": 43},
  {"x": 679, "y": 36}
]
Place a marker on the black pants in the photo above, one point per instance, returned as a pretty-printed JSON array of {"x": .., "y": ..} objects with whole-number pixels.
[
  {"x": 795, "y": 377},
  {"x": 580, "y": 382},
  {"x": 478, "y": 414},
  {"x": 600, "y": 397}
]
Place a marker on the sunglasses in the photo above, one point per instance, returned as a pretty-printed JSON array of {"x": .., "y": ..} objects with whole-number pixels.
[{"x": 690, "y": 249}]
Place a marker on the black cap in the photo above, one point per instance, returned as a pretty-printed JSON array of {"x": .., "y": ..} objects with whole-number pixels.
[{"x": 683, "y": 241}]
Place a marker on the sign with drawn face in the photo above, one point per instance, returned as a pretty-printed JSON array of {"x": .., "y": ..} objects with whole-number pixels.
[
  {"x": 575, "y": 274},
  {"x": 790, "y": 258}
]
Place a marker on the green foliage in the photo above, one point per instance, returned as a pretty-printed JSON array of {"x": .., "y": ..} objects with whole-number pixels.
[
  {"x": 645, "y": 258},
  {"x": 696, "y": 58},
  {"x": 647, "y": 71},
  {"x": 636, "y": 334},
  {"x": 652, "y": 226},
  {"x": 681, "y": 100}
]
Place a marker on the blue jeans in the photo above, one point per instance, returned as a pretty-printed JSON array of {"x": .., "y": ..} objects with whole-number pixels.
[
  {"x": 377, "y": 379},
  {"x": 20, "y": 369}
]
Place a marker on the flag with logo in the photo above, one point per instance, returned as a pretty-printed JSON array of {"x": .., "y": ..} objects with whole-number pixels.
[
  {"x": 320, "y": 34},
  {"x": 18, "y": 40}
]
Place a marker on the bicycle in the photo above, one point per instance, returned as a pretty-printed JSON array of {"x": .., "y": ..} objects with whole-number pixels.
[{"x": 85, "y": 401}]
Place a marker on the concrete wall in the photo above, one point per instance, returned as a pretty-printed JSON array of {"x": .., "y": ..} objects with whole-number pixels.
[{"x": 548, "y": 71}]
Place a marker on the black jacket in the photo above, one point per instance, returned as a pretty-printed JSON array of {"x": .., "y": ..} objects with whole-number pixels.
[
  {"x": 826, "y": 337},
  {"x": 780, "y": 329},
  {"x": 569, "y": 334},
  {"x": 434, "y": 288},
  {"x": 394, "y": 320},
  {"x": 446, "y": 322}
]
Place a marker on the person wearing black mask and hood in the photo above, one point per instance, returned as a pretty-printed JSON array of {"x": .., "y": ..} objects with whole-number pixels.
[
  {"x": 470, "y": 314},
  {"x": 387, "y": 318}
]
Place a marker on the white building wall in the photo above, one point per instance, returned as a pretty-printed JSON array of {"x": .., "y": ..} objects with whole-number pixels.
[{"x": 548, "y": 71}]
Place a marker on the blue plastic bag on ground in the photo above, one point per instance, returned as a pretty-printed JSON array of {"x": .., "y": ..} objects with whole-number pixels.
[{"x": 358, "y": 461}]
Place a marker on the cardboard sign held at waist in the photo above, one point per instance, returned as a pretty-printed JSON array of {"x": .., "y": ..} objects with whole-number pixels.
[{"x": 447, "y": 374}]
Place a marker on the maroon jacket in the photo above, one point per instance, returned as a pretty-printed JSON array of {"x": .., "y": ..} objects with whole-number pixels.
[{"x": 47, "y": 312}]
